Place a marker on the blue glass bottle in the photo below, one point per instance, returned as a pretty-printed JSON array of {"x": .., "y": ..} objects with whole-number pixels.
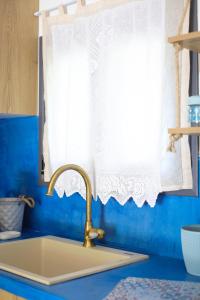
[{"x": 194, "y": 110}]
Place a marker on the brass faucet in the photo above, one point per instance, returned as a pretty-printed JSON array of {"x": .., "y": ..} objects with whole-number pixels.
[{"x": 90, "y": 231}]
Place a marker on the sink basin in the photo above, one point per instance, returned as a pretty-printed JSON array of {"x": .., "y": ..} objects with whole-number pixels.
[{"x": 50, "y": 259}]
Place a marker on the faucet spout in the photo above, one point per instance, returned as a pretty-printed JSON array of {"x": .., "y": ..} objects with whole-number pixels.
[{"x": 89, "y": 230}]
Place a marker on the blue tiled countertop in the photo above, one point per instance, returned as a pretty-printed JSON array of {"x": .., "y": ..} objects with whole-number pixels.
[{"x": 95, "y": 286}]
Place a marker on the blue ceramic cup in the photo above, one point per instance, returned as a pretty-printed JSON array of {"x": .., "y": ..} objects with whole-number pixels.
[{"x": 190, "y": 238}]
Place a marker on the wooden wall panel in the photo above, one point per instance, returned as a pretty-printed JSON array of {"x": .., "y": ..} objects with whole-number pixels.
[
  {"x": 4, "y": 295},
  {"x": 18, "y": 56}
]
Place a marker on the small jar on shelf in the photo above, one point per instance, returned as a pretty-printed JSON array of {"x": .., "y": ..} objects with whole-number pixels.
[{"x": 194, "y": 111}]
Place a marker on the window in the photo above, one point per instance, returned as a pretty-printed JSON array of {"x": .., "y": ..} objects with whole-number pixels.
[{"x": 193, "y": 90}]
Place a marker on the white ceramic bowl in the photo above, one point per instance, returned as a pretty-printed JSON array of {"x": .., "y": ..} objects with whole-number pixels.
[{"x": 190, "y": 238}]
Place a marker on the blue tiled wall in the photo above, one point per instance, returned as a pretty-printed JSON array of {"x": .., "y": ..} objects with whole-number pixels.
[{"x": 144, "y": 229}]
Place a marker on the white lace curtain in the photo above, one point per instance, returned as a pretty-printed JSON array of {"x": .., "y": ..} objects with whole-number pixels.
[{"x": 110, "y": 97}]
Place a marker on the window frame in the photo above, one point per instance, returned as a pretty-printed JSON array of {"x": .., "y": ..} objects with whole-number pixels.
[{"x": 41, "y": 113}]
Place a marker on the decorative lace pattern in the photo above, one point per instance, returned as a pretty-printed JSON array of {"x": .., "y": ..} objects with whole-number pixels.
[
  {"x": 122, "y": 188},
  {"x": 108, "y": 106}
]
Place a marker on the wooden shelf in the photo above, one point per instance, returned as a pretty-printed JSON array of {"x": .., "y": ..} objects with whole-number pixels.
[
  {"x": 189, "y": 41},
  {"x": 185, "y": 131}
]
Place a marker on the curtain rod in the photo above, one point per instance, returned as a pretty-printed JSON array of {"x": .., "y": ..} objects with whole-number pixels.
[{"x": 70, "y": 2}]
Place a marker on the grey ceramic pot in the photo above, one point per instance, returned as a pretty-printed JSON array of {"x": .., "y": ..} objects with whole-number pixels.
[{"x": 190, "y": 238}]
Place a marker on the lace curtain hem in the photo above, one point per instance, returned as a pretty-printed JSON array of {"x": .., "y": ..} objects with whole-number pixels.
[{"x": 122, "y": 188}]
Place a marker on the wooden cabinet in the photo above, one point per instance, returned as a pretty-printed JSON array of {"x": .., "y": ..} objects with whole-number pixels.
[
  {"x": 18, "y": 57},
  {"x": 7, "y": 296}
]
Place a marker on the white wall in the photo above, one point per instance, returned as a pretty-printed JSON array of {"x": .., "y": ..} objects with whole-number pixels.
[{"x": 46, "y": 4}]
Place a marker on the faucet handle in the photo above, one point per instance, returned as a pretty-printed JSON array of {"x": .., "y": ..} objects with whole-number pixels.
[
  {"x": 96, "y": 233},
  {"x": 101, "y": 233}
]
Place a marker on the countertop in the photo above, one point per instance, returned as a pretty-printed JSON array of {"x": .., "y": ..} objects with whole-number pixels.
[{"x": 94, "y": 286}]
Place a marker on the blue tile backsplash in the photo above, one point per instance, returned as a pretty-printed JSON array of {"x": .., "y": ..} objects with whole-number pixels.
[{"x": 150, "y": 230}]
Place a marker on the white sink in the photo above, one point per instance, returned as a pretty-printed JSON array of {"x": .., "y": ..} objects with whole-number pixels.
[{"x": 50, "y": 259}]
